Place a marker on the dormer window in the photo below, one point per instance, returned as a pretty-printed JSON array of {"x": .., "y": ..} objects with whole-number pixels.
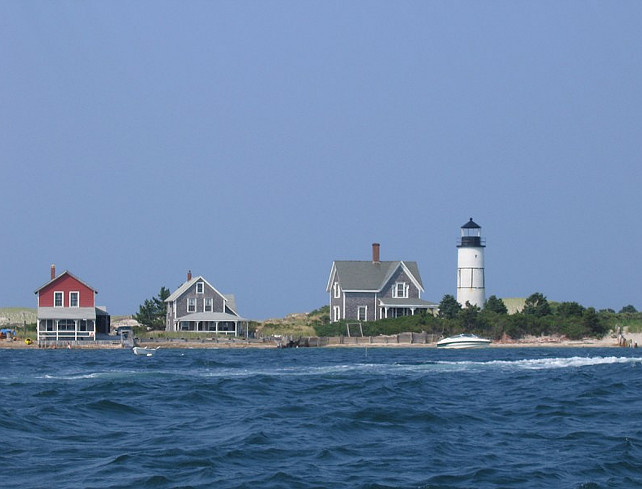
[
  {"x": 200, "y": 287},
  {"x": 400, "y": 290}
]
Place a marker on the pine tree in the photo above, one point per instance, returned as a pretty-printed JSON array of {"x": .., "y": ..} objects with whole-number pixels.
[
  {"x": 496, "y": 305},
  {"x": 153, "y": 311},
  {"x": 449, "y": 307}
]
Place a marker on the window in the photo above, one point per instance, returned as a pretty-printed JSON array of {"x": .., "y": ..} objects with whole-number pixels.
[
  {"x": 336, "y": 313},
  {"x": 398, "y": 312},
  {"x": 58, "y": 299},
  {"x": 400, "y": 290},
  {"x": 66, "y": 325},
  {"x": 208, "y": 304},
  {"x": 191, "y": 304},
  {"x": 200, "y": 287},
  {"x": 226, "y": 326},
  {"x": 73, "y": 299},
  {"x": 337, "y": 290},
  {"x": 362, "y": 313}
]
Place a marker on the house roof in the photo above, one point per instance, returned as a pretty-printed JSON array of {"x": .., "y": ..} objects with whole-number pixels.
[
  {"x": 66, "y": 272},
  {"x": 369, "y": 275},
  {"x": 183, "y": 288},
  {"x": 229, "y": 298},
  {"x": 211, "y": 316},
  {"x": 67, "y": 313},
  {"x": 398, "y": 302},
  {"x": 231, "y": 302}
]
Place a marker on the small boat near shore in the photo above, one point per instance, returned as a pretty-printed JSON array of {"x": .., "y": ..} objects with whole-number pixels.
[
  {"x": 144, "y": 351},
  {"x": 461, "y": 341}
]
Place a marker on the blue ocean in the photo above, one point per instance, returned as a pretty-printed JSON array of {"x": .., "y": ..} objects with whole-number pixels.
[{"x": 321, "y": 418}]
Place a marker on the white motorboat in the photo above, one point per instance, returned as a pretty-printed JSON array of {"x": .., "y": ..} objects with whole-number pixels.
[
  {"x": 146, "y": 351},
  {"x": 463, "y": 341}
]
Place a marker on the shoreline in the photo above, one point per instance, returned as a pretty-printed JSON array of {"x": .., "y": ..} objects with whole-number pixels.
[{"x": 539, "y": 342}]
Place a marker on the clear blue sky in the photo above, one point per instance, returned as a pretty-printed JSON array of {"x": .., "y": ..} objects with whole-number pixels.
[{"x": 254, "y": 142}]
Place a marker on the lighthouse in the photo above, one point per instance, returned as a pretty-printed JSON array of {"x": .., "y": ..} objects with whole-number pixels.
[{"x": 470, "y": 265}]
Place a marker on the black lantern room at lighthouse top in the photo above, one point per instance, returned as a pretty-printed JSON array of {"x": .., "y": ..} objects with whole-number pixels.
[{"x": 471, "y": 235}]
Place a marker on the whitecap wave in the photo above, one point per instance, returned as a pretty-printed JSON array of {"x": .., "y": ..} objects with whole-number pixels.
[{"x": 544, "y": 363}]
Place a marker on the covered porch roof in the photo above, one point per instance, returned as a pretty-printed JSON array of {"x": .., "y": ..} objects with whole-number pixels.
[
  {"x": 212, "y": 316},
  {"x": 67, "y": 313},
  {"x": 411, "y": 303}
]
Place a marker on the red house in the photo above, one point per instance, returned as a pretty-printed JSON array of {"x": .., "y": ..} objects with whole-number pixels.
[{"x": 67, "y": 310}]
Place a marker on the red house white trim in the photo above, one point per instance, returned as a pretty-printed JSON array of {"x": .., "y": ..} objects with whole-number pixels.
[{"x": 67, "y": 310}]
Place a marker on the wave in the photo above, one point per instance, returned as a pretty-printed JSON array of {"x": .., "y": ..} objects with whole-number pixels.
[
  {"x": 218, "y": 371},
  {"x": 546, "y": 363},
  {"x": 436, "y": 366}
]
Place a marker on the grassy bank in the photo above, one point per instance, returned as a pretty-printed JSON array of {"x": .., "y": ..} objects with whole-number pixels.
[{"x": 17, "y": 316}]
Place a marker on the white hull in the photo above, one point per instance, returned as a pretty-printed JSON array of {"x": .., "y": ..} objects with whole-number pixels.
[
  {"x": 147, "y": 352},
  {"x": 463, "y": 341}
]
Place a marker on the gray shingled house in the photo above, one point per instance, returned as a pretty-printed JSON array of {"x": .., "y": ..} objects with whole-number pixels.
[
  {"x": 370, "y": 290},
  {"x": 199, "y": 307}
]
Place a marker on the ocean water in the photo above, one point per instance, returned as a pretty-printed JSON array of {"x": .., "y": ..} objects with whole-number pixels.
[{"x": 321, "y": 418}]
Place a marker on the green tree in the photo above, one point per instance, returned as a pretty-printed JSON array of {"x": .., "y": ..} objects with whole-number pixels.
[
  {"x": 468, "y": 317},
  {"x": 449, "y": 307},
  {"x": 496, "y": 305},
  {"x": 153, "y": 311},
  {"x": 537, "y": 305},
  {"x": 628, "y": 309},
  {"x": 570, "y": 309},
  {"x": 593, "y": 323}
]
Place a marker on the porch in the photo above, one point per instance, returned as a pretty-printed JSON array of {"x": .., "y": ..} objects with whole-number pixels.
[
  {"x": 212, "y": 322},
  {"x": 400, "y": 307},
  {"x": 66, "y": 329},
  {"x": 71, "y": 323}
]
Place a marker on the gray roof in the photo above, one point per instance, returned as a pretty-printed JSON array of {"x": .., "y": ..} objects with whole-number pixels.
[
  {"x": 66, "y": 313},
  {"x": 181, "y": 290},
  {"x": 397, "y": 302},
  {"x": 371, "y": 276},
  {"x": 231, "y": 300},
  {"x": 211, "y": 316}
]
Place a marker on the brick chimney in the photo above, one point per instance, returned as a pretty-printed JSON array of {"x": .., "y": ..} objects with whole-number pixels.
[
  {"x": 189, "y": 275},
  {"x": 53, "y": 271},
  {"x": 375, "y": 252}
]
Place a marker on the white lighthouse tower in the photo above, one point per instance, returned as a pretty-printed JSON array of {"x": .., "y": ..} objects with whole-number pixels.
[{"x": 470, "y": 266}]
